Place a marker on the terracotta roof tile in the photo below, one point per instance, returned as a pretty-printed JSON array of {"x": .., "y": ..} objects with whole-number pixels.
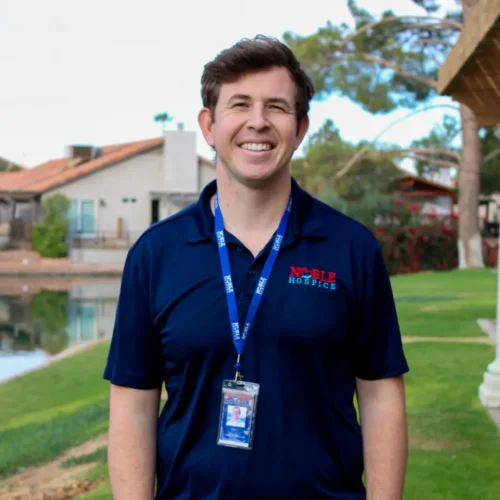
[{"x": 56, "y": 172}]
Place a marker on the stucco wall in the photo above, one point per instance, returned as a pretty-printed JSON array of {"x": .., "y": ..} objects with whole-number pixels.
[
  {"x": 126, "y": 191},
  {"x": 131, "y": 179},
  {"x": 207, "y": 174},
  {"x": 99, "y": 255}
]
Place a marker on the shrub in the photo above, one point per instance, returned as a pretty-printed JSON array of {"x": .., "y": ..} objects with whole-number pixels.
[
  {"x": 413, "y": 242},
  {"x": 49, "y": 311},
  {"x": 49, "y": 236}
]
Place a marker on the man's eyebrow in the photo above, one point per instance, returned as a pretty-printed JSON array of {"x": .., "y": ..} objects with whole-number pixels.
[
  {"x": 279, "y": 100},
  {"x": 239, "y": 96},
  {"x": 271, "y": 100}
]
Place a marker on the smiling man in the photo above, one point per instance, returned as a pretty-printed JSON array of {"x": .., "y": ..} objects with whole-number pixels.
[{"x": 257, "y": 297}]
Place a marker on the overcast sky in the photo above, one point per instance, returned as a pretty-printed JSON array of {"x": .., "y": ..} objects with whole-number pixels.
[{"x": 96, "y": 72}]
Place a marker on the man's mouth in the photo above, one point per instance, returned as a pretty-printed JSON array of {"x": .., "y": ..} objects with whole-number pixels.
[{"x": 257, "y": 146}]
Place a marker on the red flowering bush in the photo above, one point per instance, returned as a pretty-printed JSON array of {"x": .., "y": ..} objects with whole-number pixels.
[{"x": 413, "y": 242}]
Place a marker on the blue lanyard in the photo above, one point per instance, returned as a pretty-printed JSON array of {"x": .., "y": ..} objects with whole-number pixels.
[{"x": 239, "y": 338}]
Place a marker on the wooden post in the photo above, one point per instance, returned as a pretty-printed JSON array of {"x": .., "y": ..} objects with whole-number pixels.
[{"x": 33, "y": 210}]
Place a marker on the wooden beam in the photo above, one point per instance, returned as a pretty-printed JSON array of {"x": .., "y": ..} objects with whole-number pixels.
[
  {"x": 482, "y": 23},
  {"x": 487, "y": 110}
]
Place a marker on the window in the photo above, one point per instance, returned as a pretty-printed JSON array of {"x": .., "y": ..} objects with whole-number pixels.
[
  {"x": 73, "y": 216},
  {"x": 81, "y": 216},
  {"x": 87, "y": 212},
  {"x": 82, "y": 321}
]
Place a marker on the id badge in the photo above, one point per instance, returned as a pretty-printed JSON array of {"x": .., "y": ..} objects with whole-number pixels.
[{"x": 237, "y": 414}]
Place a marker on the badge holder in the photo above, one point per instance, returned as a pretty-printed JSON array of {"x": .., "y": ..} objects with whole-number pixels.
[{"x": 237, "y": 414}]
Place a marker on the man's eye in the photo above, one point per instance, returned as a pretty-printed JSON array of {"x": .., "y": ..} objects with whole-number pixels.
[
  {"x": 275, "y": 106},
  {"x": 240, "y": 105}
]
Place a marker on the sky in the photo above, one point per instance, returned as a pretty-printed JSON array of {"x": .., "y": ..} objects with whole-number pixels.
[{"x": 96, "y": 72}]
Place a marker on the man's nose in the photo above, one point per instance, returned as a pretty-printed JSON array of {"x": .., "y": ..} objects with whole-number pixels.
[{"x": 257, "y": 119}]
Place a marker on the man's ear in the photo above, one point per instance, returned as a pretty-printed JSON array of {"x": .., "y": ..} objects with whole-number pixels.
[
  {"x": 206, "y": 124},
  {"x": 302, "y": 131}
]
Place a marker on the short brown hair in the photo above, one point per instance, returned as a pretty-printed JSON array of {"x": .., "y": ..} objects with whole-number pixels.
[{"x": 250, "y": 55}]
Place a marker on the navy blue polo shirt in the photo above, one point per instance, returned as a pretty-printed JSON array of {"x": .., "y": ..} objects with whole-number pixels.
[{"x": 326, "y": 317}]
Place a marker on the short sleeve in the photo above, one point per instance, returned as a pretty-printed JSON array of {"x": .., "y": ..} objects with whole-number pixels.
[
  {"x": 378, "y": 349},
  {"x": 134, "y": 358}
]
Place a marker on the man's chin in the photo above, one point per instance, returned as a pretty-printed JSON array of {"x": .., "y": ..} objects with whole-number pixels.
[{"x": 259, "y": 179}]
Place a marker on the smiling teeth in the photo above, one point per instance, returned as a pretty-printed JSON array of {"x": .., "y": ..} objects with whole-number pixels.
[{"x": 253, "y": 146}]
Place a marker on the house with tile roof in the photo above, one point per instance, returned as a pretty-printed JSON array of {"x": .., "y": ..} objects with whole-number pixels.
[
  {"x": 115, "y": 191},
  {"x": 431, "y": 196}
]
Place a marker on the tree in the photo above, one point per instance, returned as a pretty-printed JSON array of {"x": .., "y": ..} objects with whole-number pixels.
[
  {"x": 490, "y": 149},
  {"x": 49, "y": 235},
  {"x": 324, "y": 155},
  {"x": 48, "y": 309},
  {"x": 7, "y": 166},
  {"x": 440, "y": 153},
  {"x": 393, "y": 62},
  {"x": 436, "y": 151},
  {"x": 163, "y": 118}
]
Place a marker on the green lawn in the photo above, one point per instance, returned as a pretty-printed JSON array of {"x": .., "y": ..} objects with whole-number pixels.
[
  {"x": 48, "y": 411},
  {"x": 454, "y": 445},
  {"x": 445, "y": 304}
]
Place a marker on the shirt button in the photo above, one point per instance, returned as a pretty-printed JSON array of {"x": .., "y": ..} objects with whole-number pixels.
[
  {"x": 251, "y": 272},
  {"x": 239, "y": 249}
]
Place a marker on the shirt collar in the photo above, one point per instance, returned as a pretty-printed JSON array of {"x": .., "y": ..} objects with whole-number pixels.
[{"x": 305, "y": 220}]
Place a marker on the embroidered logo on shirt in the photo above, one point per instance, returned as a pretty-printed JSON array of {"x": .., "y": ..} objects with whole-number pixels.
[{"x": 317, "y": 278}]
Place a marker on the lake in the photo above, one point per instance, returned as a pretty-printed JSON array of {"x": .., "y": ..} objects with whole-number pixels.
[{"x": 42, "y": 317}]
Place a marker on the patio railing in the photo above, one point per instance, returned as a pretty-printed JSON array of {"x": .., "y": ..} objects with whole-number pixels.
[{"x": 103, "y": 240}]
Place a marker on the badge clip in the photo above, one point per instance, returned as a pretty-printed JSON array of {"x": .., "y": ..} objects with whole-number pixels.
[{"x": 238, "y": 377}]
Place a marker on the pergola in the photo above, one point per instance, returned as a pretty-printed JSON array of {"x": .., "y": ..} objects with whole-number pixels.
[
  {"x": 471, "y": 75},
  {"x": 471, "y": 72}
]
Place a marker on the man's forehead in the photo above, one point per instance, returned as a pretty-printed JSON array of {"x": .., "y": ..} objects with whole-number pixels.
[{"x": 260, "y": 85}]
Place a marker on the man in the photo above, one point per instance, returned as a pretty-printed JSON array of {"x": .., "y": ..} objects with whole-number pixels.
[
  {"x": 257, "y": 293},
  {"x": 235, "y": 419}
]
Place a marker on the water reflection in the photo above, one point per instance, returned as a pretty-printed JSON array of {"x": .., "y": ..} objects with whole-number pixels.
[{"x": 40, "y": 318}]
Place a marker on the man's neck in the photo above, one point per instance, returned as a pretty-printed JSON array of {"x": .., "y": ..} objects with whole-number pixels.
[{"x": 253, "y": 214}]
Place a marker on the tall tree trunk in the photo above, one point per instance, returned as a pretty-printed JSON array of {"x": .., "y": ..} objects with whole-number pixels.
[
  {"x": 469, "y": 240},
  {"x": 470, "y": 252}
]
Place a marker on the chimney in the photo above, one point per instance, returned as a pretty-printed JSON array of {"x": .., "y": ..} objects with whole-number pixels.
[
  {"x": 82, "y": 152},
  {"x": 180, "y": 162}
]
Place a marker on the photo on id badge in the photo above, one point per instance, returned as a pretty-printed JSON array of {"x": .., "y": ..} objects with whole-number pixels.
[{"x": 236, "y": 419}]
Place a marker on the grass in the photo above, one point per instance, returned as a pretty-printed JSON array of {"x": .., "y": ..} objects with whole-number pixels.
[
  {"x": 445, "y": 304},
  {"x": 97, "y": 473},
  {"x": 454, "y": 445},
  {"x": 101, "y": 493},
  {"x": 100, "y": 455},
  {"x": 38, "y": 443},
  {"x": 44, "y": 413}
]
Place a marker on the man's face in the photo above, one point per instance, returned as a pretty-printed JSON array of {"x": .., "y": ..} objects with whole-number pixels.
[
  {"x": 236, "y": 413},
  {"x": 254, "y": 129}
]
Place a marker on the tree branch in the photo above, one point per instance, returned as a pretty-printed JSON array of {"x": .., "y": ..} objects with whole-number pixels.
[
  {"x": 432, "y": 151},
  {"x": 365, "y": 148},
  {"x": 429, "y": 27},
  {"x": 427, "y": 159},
  {"x": 390, "y": 19},
  {"x": 491, "y": 155},
  {"x": 397, "y": 69},
  {"x": 382, "y": 62},
  {"x": 433, "y": 41}
]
